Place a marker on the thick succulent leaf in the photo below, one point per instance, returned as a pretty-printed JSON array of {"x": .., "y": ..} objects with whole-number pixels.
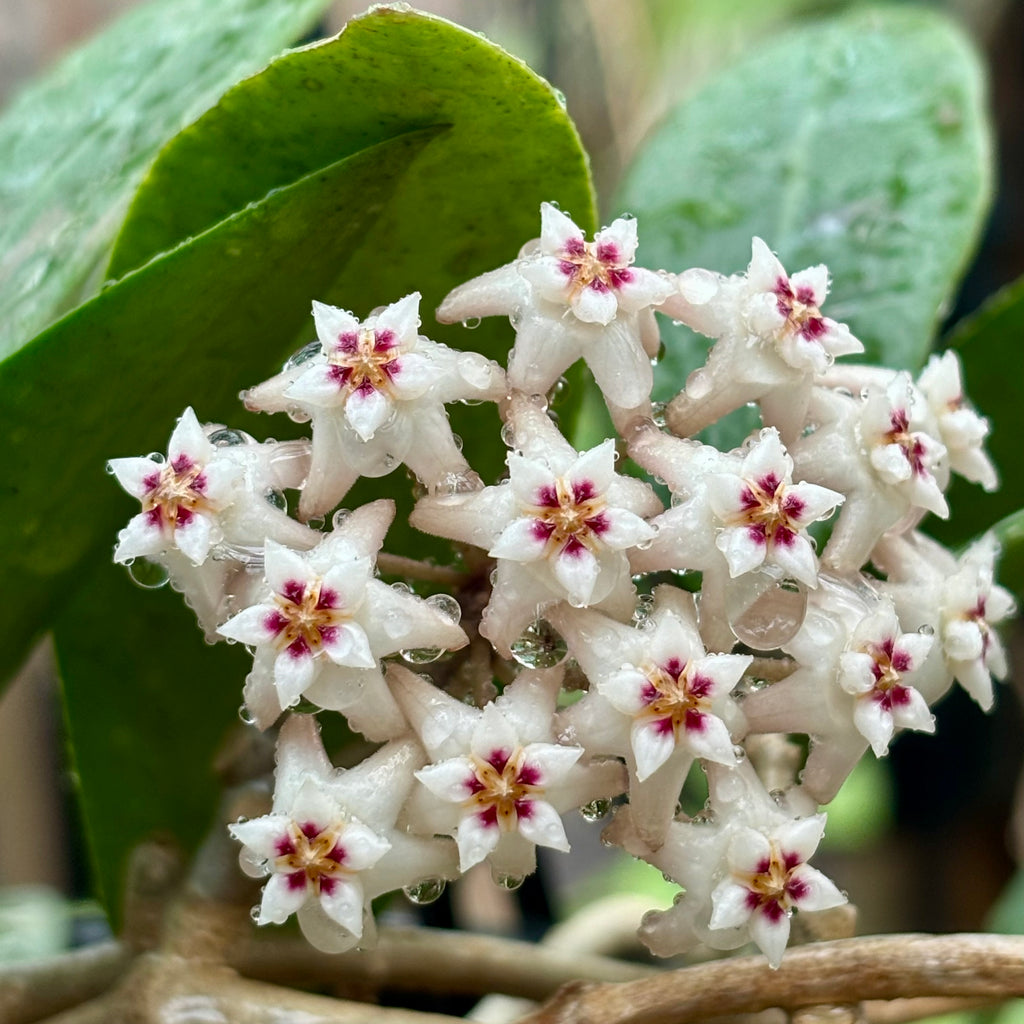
[
  {"x": 189, "y": 328},
  {"x": 147, "y": 707},
  {"x": 990, "y": 346},
  {"x": 860, "y": 142},
  {"x": 74, "y": 146}
]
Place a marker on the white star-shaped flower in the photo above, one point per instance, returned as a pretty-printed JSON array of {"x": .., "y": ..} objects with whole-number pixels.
[
  {"x": 855, "y": 683},
  {"x": 959, "y": 427},
  {"x": 326, "y": 622},
  {"x": 736, "y": 516},
  {"x": 743, "y": 872},
  {"x": 772, "y": 340},
  {"x": 569, "y": 299},
  {"x": 876, "y": 451},
  {"x": 375, "y": 391},
  {"x": 499, "y": 781},
  {"x": 207, "y": 508},
  {"x": 330, "y": 845},
  {"x": 656, "y": 699},
  {"x": 959, "y": 600},
  {"x": 559, "y": 527}
]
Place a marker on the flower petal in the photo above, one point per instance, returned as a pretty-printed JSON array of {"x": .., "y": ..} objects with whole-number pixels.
[{"x": 541, "y": 824}]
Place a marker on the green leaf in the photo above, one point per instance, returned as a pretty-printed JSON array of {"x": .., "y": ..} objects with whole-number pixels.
[
  {"x": 147, "y": 705},
  {"x": 474, "y": 202},
  {"x": 189, "y": 328},
  {"x": 74, "y": 146},
  {"x": 859, "y": 142},
  {"x": 989, "y": 346}
]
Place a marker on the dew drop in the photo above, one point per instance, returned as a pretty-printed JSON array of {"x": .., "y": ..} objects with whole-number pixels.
[
  {"x": 156, "y": 457},
  {"x": 539, "y": 646},
  {"x": 643, "y": 609},
  {"x": 254, "y": 913},
  {"x": 457, "y": 483},
  {"x": 402, "y": 588},
  {"x": 421, "y": 655},
  {"x": 277, "y": 499},
  {"x": 927, "y": 630},
  {"x": 658, "y": 414},
  {"x": 447, "y": 606},
  {"x": 426, "y": 891},
  {"x": 595, "y": 810},
  {"x": 471, "y": 323},
  {"x": 297, "y": 414},
  {"x": 509, "y": 882},
  {"x": 246, "y": 715},
  {"x": 304, "y": 355},
  {"x": 339, "y": 517},
  {"x": 227, "y": 438},
  {"x": 773, "y": 618},
  {"x": 148, "y": 575},
  {"x": 316, "y": 523},
  {"x": 508, "y": 435}
]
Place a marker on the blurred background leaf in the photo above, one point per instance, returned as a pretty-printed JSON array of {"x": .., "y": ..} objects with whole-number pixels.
[
  {"x": 74, "y": 145},
  {"x": 860, "y": 142}
]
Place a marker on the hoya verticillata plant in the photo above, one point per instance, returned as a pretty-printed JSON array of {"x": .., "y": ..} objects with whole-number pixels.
[
  {"x": 719, "y": 535},
  {"x": 861, "y": 638}
]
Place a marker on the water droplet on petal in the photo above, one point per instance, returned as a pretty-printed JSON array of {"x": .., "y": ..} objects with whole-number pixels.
[
  {"x": 927, "y": 630},
  {"x": 316, "y": 523},
  {"x": 508, "y": 435},
  {"x": 509, "y": 882},
  {"x": 421, "y": 655},
  {"x": 148, "y": 575},
  {"x": 595, "y": 810},
  {"x": 539, "y": 646},
  {"x": 156, "y": 457},
  {"x": 254, "y": 913},
  {"x": 339, "y": 517},
  {"x": 471, "y": 323},
  {"x": 277, "y": 499},
  {"x": 447, "y": 606},
  {"x": 226, "y": 438},
  {"x": 773, "y": 618},
  {"x": 428, "y": 890},
  {"x": 246, "y": 715},
  {"x": 304, "y": 355},
  {"x": 658, "y": 414}
]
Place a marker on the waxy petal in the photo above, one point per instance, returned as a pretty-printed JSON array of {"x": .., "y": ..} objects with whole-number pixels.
[{"x": 541, "y": 824}]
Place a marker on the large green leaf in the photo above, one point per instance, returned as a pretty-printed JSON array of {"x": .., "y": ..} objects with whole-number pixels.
[
  {"x": 74, "y": 146},
  {"x": 990, "y": 345},
  {"x": 859, "y": 142},
  {"x": 147, "y": 705},
  {"x": 188, "y": 328},
  {"x": 475, "y": 200}
]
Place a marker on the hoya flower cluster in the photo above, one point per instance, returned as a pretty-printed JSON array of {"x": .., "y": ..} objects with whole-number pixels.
[{"x": 577, "y": 579}]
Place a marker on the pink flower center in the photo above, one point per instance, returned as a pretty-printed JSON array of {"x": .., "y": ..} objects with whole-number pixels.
[
  {"x": 312, "y": 856},
  {"x": 175, "y": 493},
  {"x": 899, "y": 433},
  {"x": 770, "y": 511},
  {"x": 569, "y": 516},
  {"x": 305, "y": 616},
  {"x": 772, "y": 889},
  {"x": 503, "y": 787},
  {"x": 890, "y": 663},
  {"x": 802, "y": 314},
  {"x": 597, "y": 265},
  {"x": 365, "y": 360},
  {"x": 677, "y": 697}
]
